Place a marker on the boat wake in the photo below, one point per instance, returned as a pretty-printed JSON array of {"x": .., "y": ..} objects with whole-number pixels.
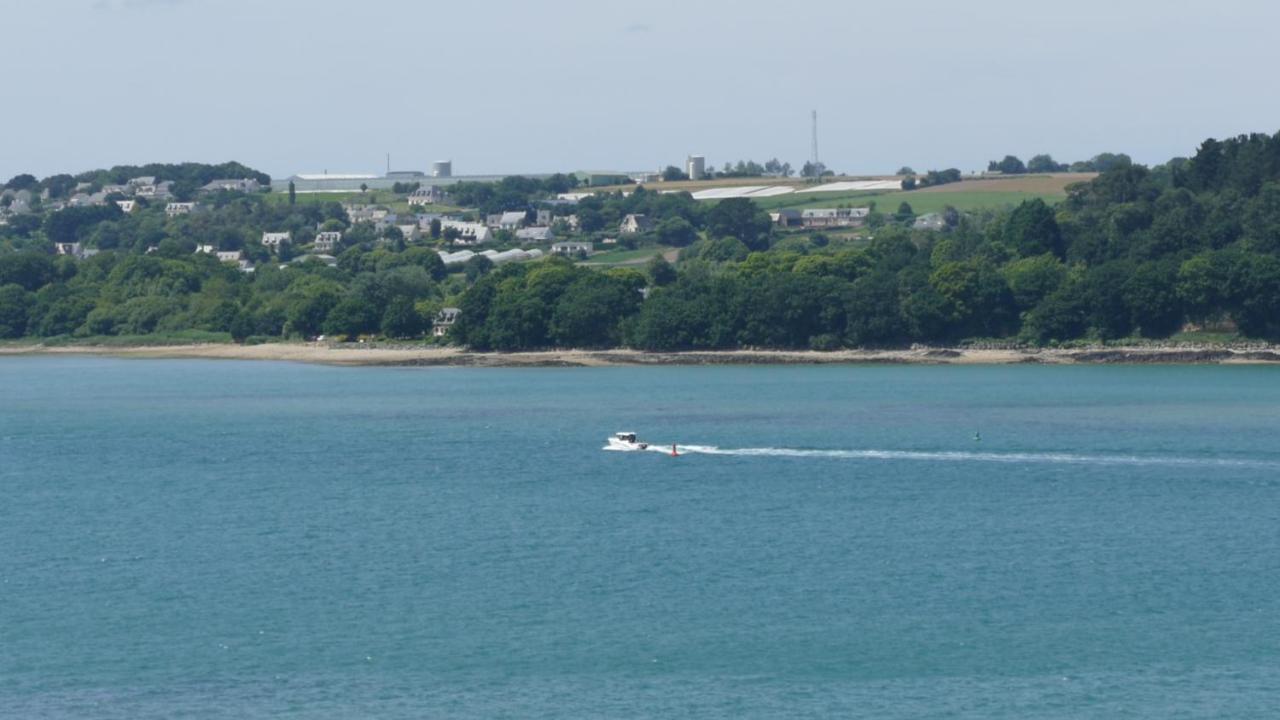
[{"x": 1051, "y": 458}]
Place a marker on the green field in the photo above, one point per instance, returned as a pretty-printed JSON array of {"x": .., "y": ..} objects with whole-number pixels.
[
  {"x": 921, "y": 202},
  {"x": 639, "y": 256}
]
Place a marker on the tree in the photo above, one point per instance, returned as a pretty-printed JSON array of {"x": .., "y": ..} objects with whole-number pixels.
[
  {"x": 28, "y": 270},
  {"x": 435, "y": 228},
  {"x": 1031, "y": 229},
  {"x": 364, "y": 187},
  {"x": 1010, "y": 165},
  {"x": 672, "y": 173},
  {"x": 15, "y": 305},
  {"x": 660, "y": 271},
  {"x": 676, "y": 231},
  {"x": 293, "y": 194},
  {"x": 905, "y": 170},
  {"x": 1044, "y": 164},
  {"x": 477, "y": 267},
  {"x": 25, "y": 181},
  {"x": 742, "y": 219},
  {"x": 401, "y": 320},
  {"x": 350, "y": 317}
]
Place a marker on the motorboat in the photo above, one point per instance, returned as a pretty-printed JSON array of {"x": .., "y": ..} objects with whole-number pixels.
[{"x": 626, "y": 441}]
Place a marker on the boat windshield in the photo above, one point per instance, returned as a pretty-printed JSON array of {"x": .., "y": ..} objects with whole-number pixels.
[{"x": 627, "y": 437}]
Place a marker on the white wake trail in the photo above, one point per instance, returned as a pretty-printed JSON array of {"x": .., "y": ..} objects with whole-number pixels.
[{"x": 1052, "y": 458}]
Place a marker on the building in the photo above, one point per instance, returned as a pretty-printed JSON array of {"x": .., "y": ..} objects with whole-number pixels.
[
  {"x": 156, "y": 191},
  {"x": 535, "y": 234},
  {"x": 445, "y": 319},
  {"x": 571, "y": 248},
  {"x": 244, "y": 185},
  {"x": 633, "y": 224},
  {"x": 543, "y": 217},
  {"x": 127, "y": 206},
  {"x": 935, "y": 222},
  {"x": 442, "y": 169},
  {"x": 174, "y": 209},
  {"x": 274, "y": 239},
  {"x": 696, "y": 167},
  {"x": 410, "y": 231},
  {"x": 512, "y": 220},
  {"x": 594, "y": 178},
  {"x": 469, "y": 233},
  {"x": 327, "y": 241},
  {"x": 833, "y": 217},
  {"x": 428, "y": 195},
  {"x": 787, "y": 217},
  {"x": 207, "y": 249}
]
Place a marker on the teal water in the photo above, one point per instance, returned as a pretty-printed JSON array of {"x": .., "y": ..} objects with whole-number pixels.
[{"x": 206, "y": 539}]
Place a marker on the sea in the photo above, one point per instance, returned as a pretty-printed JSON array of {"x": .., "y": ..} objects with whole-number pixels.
[{"x": 226, "y": 539}]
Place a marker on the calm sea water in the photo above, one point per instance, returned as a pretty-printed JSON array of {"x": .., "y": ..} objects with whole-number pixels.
[{"x": 246, "y": 540}]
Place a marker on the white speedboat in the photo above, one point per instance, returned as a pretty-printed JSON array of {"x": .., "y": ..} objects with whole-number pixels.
[{"x": 626, "y": 441}]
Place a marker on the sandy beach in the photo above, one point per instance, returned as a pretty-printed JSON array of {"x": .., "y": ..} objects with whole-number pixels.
[{"x": 357, "y": 354}]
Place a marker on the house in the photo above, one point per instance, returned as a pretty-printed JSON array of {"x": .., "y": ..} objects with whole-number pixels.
[
  {"x": 512, "y": 220},
  {"x": 633, "y": 224},
  {"x": 428, "y": 195},
  {"x": 833, "y": 217},
  {"x": 274, "y": 239},
  {"x": 157, "y": 191},
  {"x": 207, "y": 249},
  {"x": 544, "y": 217},
  {"x": 141, "y": 180},
  {"x": 83, "y": 200},
  {"x": 244, "y": 185},
  {"x": 327, "y": 241},
  {"x": 445, "y": 319},
  {"x": 570, "y": 221},
  {"x": 787, "y": 217},
  {"x": 234, "y": 256},
  {"x": 571, "y": 248},
  {"x": 535, "y": 234},
  {"x": 174, "y": 209},
  {"x": 930, "y": 221},
  {"x": 410, "y": 231},
  {"x": 117, "y": 190},
  {"x": 72, "y": 249},
  {"x": 127, "y": 206},
  {"x": 469, "y": 233}
]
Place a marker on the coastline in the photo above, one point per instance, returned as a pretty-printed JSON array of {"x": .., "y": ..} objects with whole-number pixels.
[{"x": 358, "y": 355}]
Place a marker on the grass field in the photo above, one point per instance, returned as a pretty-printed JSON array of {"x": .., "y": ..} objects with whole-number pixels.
[
  {"x": 639, "y": 256},
  {"x": 968, "y": 195}
]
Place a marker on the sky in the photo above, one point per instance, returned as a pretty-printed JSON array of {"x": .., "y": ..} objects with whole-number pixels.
[{"x": 512, "y": 86}]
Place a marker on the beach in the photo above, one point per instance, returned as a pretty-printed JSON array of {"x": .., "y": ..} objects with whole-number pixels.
[{"x": 359, "y": 354}]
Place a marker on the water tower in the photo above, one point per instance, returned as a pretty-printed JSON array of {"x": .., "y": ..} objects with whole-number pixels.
[
  {"x": 696, "y": 167},
  {"x": 442, "y": 169}
]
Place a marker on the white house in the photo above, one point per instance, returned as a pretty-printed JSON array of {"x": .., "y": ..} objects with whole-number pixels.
[
  {"x": 245, "y": 185},
  {"x": 273, "y": 239},
  {"x": 535, "y": 234},
  {"x": 207, "y": 249},
  {"x": 326, "y": 241},
  {"x": 512, "y": 220},
  {"x": 444, "y": 320},
  {"x": 571, "y": 248},
  {"x": 174, "y": 209},
  {"x": 469, "y": 233},
  {"x": 127, "y": 206},
  {"x": 633, "y": 224},
  {"x": 833, "y": 217},
  {"x": 428, "y": 195}
]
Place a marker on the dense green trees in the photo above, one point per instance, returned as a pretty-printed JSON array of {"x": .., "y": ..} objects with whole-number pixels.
[{"x": 1135, "y": 251}]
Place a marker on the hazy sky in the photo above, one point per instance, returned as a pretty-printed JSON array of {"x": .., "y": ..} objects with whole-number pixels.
[{"x": 504, "y": 86}]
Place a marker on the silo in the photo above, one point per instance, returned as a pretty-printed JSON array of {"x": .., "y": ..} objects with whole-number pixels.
[
  {"x": 696, "y": 167},
  {"x": 442, "y": 168}
]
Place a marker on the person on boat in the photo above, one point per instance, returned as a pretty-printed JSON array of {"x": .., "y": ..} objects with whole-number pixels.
[{"x": 674, "y": 452}]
